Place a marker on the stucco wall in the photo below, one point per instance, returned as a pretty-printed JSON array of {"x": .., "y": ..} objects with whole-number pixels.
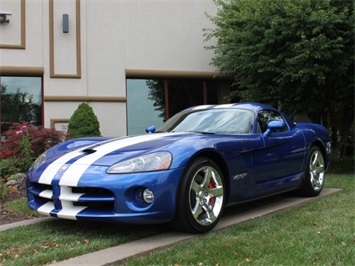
[
  {"x": 169, "y": 37},
  {"x": 113, "y": 36}
]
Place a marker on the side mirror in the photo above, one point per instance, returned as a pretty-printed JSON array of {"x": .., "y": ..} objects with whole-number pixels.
[
  {"x": 150, "y": 129},
  {"x": 274, "y": 126}
]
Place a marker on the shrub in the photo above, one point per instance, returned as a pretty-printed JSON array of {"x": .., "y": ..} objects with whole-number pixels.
[
  {"x": 3, "y": 189},
  {"x": 40, "y": 140},
  {"x": 83, "y": 122},
  {"x": 23, "y": 144},
  {"x": 8, "y": 167},
  {"x": 27, "y": 157}
]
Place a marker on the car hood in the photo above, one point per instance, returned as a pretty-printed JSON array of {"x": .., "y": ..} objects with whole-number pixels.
[{"x": 110, "y": 151}]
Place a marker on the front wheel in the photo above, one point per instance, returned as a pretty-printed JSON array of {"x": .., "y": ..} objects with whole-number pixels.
[
  {"x": 314, "y": 179},
  {"x": 201, "y": 197}
]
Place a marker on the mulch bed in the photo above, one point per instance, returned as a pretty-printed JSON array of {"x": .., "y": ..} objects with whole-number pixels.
[{"x": 7, "y": 216}]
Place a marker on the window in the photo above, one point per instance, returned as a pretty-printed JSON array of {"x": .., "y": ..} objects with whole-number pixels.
[
  {"x": 141, "y": 110},
  {"x": 21, "y": 99},
  {"x": 265, "y": 116},
  {"x": 153, "y": 101}
]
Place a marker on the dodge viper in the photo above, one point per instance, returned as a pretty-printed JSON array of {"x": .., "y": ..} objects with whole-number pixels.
[{"x": 183, "y": 173}]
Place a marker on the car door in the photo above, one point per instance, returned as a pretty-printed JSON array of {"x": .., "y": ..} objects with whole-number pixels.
[{"x": 283, "y": 152}]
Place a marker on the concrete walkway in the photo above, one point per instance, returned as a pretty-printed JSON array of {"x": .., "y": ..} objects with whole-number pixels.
[{"x": 147, "y": 245}]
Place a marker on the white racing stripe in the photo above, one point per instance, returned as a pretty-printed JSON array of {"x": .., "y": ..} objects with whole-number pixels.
[
  {"x": 74, "y": 172},
  {"x": 46, "y": 209},
  {"x": 201, "y": 107},
  {"x": 47, "y": 194},
  {"x": 227, "y": 105},
  {"x": 52, "y": 169},
  {"x": 66, "y": 194},
  {"x": 69, "y": 211}
]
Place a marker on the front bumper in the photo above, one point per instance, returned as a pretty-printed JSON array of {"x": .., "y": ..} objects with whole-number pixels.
[{"x": 106, "y": 197}]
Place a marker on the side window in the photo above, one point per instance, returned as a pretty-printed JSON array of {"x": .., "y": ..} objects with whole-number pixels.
[{"x": 265, "y": 116}]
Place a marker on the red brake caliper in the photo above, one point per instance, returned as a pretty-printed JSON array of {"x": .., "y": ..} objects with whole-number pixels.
[{"x": 212, "y": 200}]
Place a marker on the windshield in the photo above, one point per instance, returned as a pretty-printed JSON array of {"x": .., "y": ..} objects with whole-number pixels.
[{"x": 211, "y": 121}]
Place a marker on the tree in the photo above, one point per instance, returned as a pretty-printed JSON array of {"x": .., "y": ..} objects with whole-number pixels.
[
  {"x": 157, "y": 95},
  {"x": 297, "y": 55},
  {"x": 18, "y": 106},
  {"x": 181, "y": 93},
  {"x": 83, "y": 122}
]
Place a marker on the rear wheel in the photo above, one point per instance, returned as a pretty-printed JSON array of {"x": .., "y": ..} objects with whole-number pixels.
[
  {"x": 315, "y": 173},
  {"x": 201, "y": 197}
]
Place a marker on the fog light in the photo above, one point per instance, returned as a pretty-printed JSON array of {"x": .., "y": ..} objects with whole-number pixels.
[{"x": 148, "y": 195}]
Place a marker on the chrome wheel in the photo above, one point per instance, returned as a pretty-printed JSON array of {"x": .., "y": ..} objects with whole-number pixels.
[
  {"x": 206, "y": 195},
  {"x": 314, "y": 177},
  {"x": 316, "y": 170},
  {"x": 201, "y": 197}
]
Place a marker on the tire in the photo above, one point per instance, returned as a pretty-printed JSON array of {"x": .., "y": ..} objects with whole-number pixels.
[
  {"x": 314, "y": 177},
  {"x": 201, "y": 197}
]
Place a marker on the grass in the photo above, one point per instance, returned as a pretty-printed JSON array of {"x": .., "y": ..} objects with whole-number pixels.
[
  {"x": 62, "y": 239},
  {"x": 19, "y": 206},
  {"x": 318, "y": 233}
]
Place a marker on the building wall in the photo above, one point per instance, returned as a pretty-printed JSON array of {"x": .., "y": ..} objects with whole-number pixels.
[{"x": 107, "y": 40}]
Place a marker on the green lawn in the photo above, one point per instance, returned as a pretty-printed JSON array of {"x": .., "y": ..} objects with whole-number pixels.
[{"x": 317, "y": 233}]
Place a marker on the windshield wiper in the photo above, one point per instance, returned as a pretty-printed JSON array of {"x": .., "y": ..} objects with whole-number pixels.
[
  {"x": 203, "y": 132},
  {"x": 192, "y": 131}
]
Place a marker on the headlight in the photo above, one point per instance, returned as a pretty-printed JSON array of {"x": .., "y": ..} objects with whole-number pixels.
[
  {"x": 149, "y": 162},
  {"x": 41, "y": 159}
]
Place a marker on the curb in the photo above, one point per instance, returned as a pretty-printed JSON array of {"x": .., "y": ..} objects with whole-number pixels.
[{"x": 25, "y": 222}]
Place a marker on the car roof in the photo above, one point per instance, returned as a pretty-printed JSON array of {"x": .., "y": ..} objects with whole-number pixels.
[{"x": 253, "y": 106}]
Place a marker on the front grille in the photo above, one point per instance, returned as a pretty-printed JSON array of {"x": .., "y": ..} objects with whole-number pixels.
[
  {"x": 92, "y": 191},
  {"x": 37, "y": 188},
  {"x": 94, "y": 200}
]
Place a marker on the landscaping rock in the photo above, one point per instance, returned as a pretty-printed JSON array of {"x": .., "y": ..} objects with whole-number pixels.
[{"x": 17, "y": 182}]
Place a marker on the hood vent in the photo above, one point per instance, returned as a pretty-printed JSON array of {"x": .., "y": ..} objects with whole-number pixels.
[{"x": 89, "y": 150}]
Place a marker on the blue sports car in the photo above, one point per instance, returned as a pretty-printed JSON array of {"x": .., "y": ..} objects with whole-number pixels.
[{"x": 185, "y": 172}]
